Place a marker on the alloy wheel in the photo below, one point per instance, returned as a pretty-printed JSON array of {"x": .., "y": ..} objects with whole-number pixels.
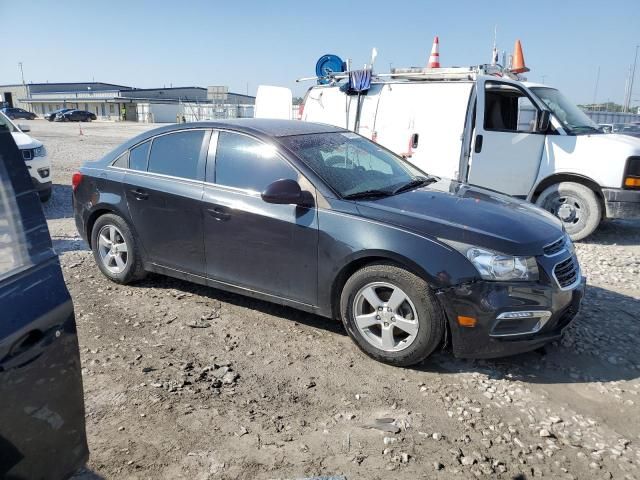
[
  {"x": 113, "y": 249},
  {"x": 385, "y": 316}
]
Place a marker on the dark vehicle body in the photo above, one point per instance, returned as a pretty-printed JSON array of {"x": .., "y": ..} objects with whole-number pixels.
[
  {"x": 51, "y": 116},
  {"x": 18, "y": 113},
  {"x": 75, "y": 116},
  {"x": 42, "y": 425},
  {"x": 303, "y": 253}
]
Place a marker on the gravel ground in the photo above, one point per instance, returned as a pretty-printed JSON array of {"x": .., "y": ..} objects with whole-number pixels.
[{"x": 184, "y": 381}]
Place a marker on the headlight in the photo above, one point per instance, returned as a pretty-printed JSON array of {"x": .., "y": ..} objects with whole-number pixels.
[
  {"x": 498, "y": 267},
  {"x": 40, "y": 151}
]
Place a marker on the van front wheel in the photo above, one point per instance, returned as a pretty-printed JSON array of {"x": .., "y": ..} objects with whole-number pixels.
[{"x": 575, "y": 204}]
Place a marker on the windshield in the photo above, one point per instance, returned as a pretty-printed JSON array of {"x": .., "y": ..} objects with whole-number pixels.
[
  {"x": 354, "y": 166},
  {"x": 574, "y": 120},
  {"x": 8, "y": 124}
]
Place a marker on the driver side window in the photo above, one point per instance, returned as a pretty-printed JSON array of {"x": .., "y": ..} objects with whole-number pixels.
[{"x": 508, "y": 109}]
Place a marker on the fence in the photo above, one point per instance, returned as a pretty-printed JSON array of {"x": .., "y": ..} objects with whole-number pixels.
[{"x": 612, "y": 117}]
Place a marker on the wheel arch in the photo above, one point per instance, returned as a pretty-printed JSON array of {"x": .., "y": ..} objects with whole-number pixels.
[
  {"x": 97, "y": 212},
  {"x": 567, "y": 177},
  {"x": 369, "y": 258}
]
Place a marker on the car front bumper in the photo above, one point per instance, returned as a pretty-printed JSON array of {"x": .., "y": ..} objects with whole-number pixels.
[
  {"x": 552, "y": 310},
  {"x": 621, "y": 203}
]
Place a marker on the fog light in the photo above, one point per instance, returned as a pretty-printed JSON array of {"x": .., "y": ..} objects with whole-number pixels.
[
  {"x": 468, "y": 322},
  {"x": 44, "y": 172}
]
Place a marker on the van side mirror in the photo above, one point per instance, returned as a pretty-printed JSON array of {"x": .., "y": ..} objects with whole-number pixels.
[
  {"x": 286, "y": 192},
  {"x": 543, "y": 121},
  {"x": 24, "y": 128}
]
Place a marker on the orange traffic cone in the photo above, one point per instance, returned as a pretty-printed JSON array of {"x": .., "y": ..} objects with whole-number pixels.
[
  {"x": 517, "y": 65},
  {"x": 434, "y": 58}
]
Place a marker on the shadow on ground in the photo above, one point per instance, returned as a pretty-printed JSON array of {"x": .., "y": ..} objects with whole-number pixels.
[
  {"x": 602, "y": 344},
  {"x": 59, "y": 205}
]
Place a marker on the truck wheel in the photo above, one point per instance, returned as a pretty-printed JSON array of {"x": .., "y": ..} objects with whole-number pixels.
[
  {"x": 391, "y": 314},
  {"x": 576, "y": 205}
]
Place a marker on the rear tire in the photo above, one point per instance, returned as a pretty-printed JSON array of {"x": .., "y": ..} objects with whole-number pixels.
[
  {"x": 406, "y": 324},
  {"x": 115, "y": 250},
  {"x": 576, "y": 205}
]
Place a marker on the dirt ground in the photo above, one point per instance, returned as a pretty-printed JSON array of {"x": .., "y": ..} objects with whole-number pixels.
[{"x": 184, "y": 381}]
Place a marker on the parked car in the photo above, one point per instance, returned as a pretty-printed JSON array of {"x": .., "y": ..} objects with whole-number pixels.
[
  {"x": 630, "y": 129},
  {"x": 477, "y": 125},
  {"x": 75, "y": 116},
  {"x": 323, "y": 220},
  {"x": 51, "y": 116},
  {"x": 18, "y": 113},
  {"x": 34, "y": 155},
  {"x": 42, "y": 425}
]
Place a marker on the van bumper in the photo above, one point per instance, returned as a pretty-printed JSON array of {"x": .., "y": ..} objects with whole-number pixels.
[
  {"x": 493, "y": 336},
  {"x": 621, "y": 203}
]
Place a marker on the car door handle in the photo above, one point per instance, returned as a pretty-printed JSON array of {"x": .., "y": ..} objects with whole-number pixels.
[
  {"x": 219, "y": 213},
  {"x": 478, "y": 145},
  {"x": 139, "y": 194}
]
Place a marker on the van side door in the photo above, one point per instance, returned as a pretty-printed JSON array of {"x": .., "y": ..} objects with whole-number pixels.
[{"x": 507, "y": 148}]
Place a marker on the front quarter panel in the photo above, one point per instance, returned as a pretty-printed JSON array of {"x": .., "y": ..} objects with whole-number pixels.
[
  {"x": 345, "y": 238},
  {"x": 601, "y": 157}
]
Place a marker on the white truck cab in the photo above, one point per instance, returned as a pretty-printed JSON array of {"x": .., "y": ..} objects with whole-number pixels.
[
  {"x": 35, "y": 156},
  {"x": 485, "y": 126}
]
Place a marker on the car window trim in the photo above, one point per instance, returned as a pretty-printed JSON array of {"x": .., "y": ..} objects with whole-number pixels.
[{"x": 247, "y": 191}]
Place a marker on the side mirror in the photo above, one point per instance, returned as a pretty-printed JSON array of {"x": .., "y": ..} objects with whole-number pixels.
[
  {"x": 24, "y": 128},
  {"x": 285, "y": 192},
  {"x": 543, "y": 121}
]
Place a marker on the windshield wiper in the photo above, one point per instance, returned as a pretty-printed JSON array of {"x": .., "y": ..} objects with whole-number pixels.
[
  {"x": 415, "y": 183},
  {"x": 367, "y": 194}
]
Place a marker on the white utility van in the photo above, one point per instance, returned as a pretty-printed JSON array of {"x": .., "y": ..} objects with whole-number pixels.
[{"x": 484, "y": 126}]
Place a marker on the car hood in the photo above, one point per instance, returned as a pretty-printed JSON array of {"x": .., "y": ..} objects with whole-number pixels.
[
  {"x": 455, "y": 211},
  {"x": 25, "y": 141}
]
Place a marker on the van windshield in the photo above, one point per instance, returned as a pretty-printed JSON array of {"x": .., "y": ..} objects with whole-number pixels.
[
  {"x": 354, "y": 166},
  {"x": 573, "y": 120}
]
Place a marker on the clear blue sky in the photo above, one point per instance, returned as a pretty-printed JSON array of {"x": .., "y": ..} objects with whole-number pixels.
[{"x": 156, "y": 43}]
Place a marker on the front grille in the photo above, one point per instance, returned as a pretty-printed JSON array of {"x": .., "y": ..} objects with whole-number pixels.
[
  {"x": 27, "y": 154},
  {"x": 566, "y": 272},
  {"x": 554, "y": 248}
]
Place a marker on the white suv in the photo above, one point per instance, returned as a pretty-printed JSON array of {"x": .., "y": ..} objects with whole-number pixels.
[{"x": 35, "y": 156}]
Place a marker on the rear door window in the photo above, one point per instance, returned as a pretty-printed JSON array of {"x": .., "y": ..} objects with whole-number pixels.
[
  {"x": 177, "y": 154},
  {"x": 246, "y": 163},
  {"x": 138, "y": 156}
]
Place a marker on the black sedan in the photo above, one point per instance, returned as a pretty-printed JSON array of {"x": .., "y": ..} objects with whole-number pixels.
[
  {"x": 326, "y": 221},
  {"x": 18, "y": 114},
  {"x": 51, "y": 116},
  {"x": 75, "y": 116}
]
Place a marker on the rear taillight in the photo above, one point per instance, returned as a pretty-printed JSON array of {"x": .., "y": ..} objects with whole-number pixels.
[
  {"x": 300, "y": 111},
  {"x": 75, "y": 180}
]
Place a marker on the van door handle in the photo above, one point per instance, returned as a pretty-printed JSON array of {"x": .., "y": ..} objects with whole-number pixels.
[
  {"x": 219, "y": 213},
  {"x": 140, "y": 194},
  {"x": 478, "y": 145},
  {"x": 414, "y": 140}
]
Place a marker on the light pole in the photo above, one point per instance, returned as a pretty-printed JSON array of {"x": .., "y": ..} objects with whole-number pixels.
[
  {"x": 633, "y": 74},
  {"x": 27, "y": 93}
]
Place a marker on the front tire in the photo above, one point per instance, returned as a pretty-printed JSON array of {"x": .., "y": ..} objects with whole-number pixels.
[
  {"x": 575, "y": 204},
  {"x": 115, "y": 250},
  {"x": 391, "y": 314}
]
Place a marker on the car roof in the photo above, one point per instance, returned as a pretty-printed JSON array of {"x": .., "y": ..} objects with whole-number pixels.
[{"x": 265, "y": 126}]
